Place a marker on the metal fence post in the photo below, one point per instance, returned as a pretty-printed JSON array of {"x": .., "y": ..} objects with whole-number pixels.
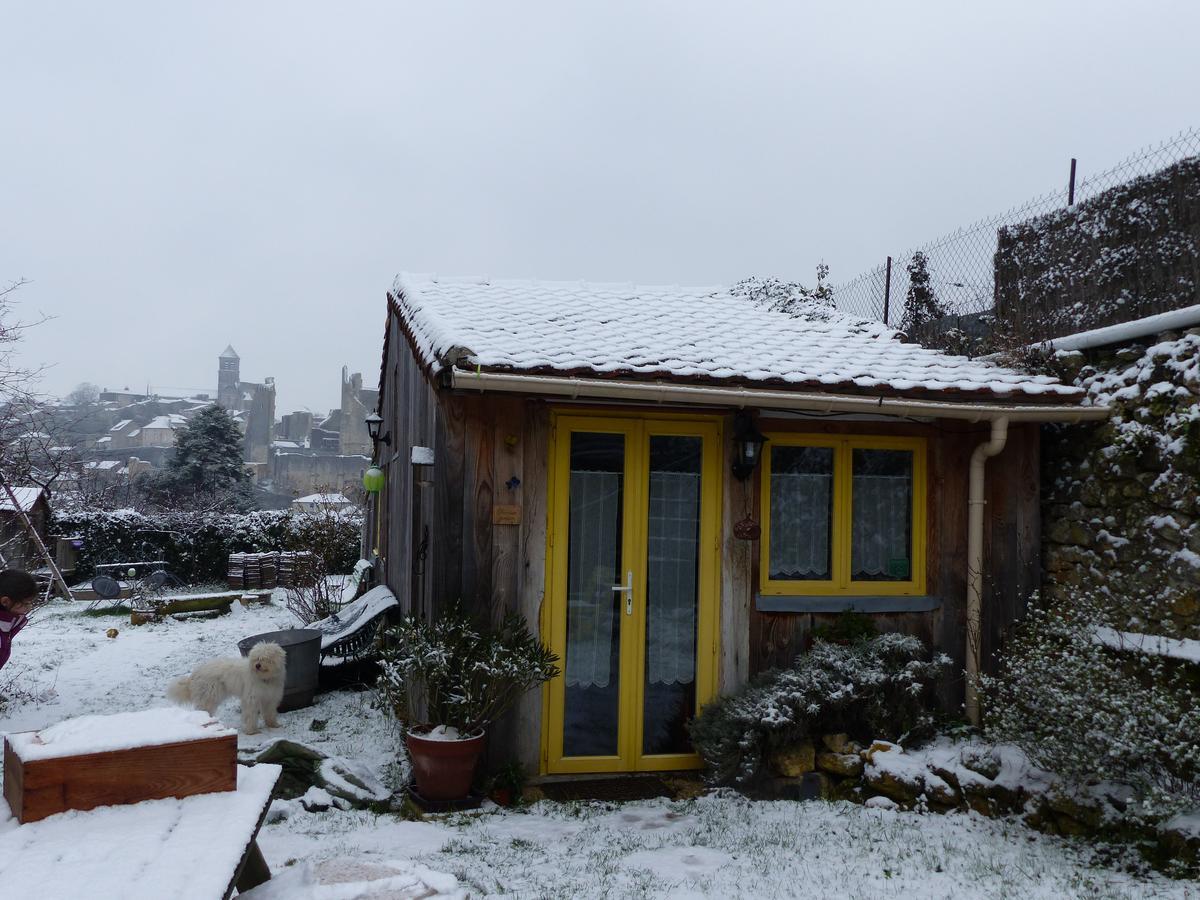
[
  {"x": 1071, "y": 187},
  {"x": 887, "y": 290}
]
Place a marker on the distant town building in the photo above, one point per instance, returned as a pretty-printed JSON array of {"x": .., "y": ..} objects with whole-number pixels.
[
  {"x": 255, "y": 403},
  {"x": 334, "y": 451}
]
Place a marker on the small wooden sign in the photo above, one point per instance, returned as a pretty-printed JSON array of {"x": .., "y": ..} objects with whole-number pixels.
[{"x": 506, "y": 515}]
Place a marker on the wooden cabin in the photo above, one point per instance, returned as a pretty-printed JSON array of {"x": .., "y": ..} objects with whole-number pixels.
[
  {"x": 675, "y": 486},
  {"x": 18, "y": 547}
]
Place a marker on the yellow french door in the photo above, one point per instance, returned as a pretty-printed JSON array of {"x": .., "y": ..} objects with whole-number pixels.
[{"x": 634, "y": 550}]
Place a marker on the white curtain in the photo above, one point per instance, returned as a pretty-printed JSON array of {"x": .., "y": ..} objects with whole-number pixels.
[
  {"x": 672, "y": 546},
  {"x": 882, "y": 506},
  {"x": 595, "y": 534},
  {"x": 800, "y": 506}
]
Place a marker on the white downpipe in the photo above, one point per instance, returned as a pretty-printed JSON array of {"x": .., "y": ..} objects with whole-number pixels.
[{"x": 975, "y": 504}]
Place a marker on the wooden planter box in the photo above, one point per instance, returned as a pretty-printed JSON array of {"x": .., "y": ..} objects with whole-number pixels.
[{"x": 38, "y": 788}]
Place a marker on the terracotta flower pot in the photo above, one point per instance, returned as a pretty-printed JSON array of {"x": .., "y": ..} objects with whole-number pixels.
[{"x": 443, "y": 769}]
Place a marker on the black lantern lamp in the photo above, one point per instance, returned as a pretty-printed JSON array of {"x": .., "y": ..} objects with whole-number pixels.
[
  {"x": 747, "y": 443},
  {"x": 374, "y": 425}
]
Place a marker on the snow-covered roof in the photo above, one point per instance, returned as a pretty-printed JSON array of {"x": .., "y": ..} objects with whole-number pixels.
[
  {"x": 104, "y": 464},
  {"x": 133, "y": 433},
  {"x": 160, "y": 422},
  {"x": 27, "y": 497},
  {"x": 104, "y": 440},
  {"x": 703, "y": 334},
  {"x": 120, "y": 425}
]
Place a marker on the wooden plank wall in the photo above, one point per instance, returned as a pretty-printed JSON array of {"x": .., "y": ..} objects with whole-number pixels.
[
  {"x": 412, "y": 416},
  {"x": 737, "y": 575}
]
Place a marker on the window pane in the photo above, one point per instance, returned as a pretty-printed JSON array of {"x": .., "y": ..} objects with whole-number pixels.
[
  {"x": 801, "y": 513},
  {"x": 593, "y": 607},
  {"x": 672, "y": 592},
  {"x": 881, "y": 515}
]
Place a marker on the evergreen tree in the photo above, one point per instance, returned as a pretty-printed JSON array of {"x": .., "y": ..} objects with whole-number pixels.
[
  {"x": 207, "y": 467},
  {"x": 921, "y": 306}
]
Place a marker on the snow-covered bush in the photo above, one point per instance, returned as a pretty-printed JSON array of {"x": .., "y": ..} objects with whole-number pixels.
[
  {"x": 873, "y": 688},
  {"x": 196, "y": 547},
  {"x": 454, "y": 674},
  {"x": 1093, "y": 714}
]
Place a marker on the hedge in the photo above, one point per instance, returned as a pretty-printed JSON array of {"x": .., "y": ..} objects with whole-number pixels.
[{"x": 196, "y": 547}]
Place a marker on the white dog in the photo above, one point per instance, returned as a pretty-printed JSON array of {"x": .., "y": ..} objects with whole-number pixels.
[{"x": 256, "y": 679}]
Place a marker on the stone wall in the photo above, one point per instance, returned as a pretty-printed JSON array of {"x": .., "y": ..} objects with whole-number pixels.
[
  {"x": 297, "y": 474},
  {"x": 1127, "y": 253},
  {"x": 1121, "y": 499}
]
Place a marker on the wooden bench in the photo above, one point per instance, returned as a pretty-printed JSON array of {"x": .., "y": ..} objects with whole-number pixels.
[{"x": 203, "y": 846}]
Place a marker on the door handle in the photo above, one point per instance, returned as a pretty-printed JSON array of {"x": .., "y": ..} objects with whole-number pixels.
[{"x": 627, "y": 590}]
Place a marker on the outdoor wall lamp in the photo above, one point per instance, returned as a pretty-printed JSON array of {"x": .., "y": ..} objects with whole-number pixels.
[
  {"x": 747, "y": 444},
  {"x": 374, "y": 425}
]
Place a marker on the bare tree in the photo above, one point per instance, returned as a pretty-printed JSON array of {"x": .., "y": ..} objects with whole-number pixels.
[
  {"x": 85, "y": 394},
  {"x": 21, "y": 409}
]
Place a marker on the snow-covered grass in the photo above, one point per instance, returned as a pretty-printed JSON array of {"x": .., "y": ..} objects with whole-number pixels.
[{"x": 716, "y": 846}]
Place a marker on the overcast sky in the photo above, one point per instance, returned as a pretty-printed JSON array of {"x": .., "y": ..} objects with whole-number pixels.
[{"x": 176, "y": 177}]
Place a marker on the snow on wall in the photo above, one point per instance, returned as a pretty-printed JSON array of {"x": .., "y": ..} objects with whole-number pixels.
[{"x": 1121, "y": 499}]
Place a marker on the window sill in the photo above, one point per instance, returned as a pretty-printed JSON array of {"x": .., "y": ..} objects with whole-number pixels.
[{"x": 836, "y": 603}]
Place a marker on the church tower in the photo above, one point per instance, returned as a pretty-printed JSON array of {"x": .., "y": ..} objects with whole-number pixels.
[{"x": 229, "y": 373}]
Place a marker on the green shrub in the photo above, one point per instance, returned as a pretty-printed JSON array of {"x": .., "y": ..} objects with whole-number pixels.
[
  {"x": 1091, "y": 713},
  {"x": 872, "y": 688},
  {"x": 196, "y": 546}
]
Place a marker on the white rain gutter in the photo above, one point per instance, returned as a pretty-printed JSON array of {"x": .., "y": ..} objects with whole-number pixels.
[
  {"x": 663, "y": 392},
  {"x": 975, "y": 503}
]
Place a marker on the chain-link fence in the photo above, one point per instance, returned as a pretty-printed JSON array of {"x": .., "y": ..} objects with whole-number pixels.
[{"x": 956, "y": 275}]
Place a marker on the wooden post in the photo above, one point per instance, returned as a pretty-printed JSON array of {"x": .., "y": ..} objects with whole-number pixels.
[
  {"x": 1071, "y": 185},
  {"x": 887, "y": 290},
  {"x": 55, "y": 575}
]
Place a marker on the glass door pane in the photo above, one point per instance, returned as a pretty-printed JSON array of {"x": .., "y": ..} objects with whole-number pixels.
[
  {"x": 594, "y": 565},
  {"x": 672, "y": 591}
]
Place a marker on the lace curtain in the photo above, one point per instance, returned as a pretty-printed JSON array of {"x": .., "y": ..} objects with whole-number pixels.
[
  {"x": 673, "y": 544},
  {"x": 594, "y": 552},
  {"x": 595, "y": 530},
  {"x": 800, "y": 525},
  {"x": 881, "y": 524}
]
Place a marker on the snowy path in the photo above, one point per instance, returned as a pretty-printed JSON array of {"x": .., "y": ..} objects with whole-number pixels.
[{"x": 716, "y": 846}]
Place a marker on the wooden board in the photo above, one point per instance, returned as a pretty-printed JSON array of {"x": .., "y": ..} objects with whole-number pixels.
[{"x": 42, "y": 787}]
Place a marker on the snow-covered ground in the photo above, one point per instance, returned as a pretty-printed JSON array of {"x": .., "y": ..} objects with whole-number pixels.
[{"x": 715, "y": 846}]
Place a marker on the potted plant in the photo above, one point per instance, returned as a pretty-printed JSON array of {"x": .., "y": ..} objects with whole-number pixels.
[{"x": 454, "y": 679}]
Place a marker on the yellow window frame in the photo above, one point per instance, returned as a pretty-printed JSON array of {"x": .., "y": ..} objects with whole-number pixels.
[{"x": 841, "y": 533}]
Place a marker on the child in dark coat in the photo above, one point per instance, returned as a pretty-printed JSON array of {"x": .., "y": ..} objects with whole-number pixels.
[{"x": 18, "y": 592}]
